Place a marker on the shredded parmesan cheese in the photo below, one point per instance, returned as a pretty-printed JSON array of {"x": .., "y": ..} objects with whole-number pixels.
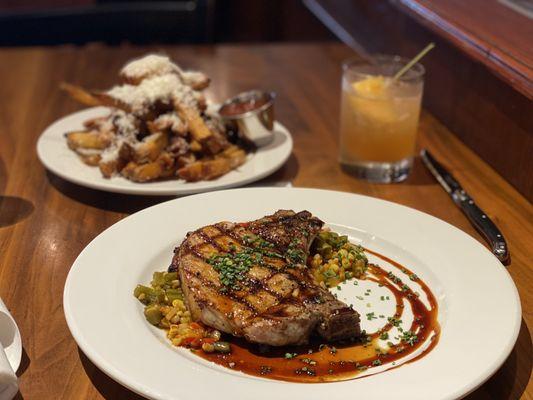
[
  {"x": 110, "y": 154},
  {"x": 171, "y": 120},
  {"x": 125, "y": 123},
  {"x": 126, "y": 132},
  {"x": 149, "y": 66},
  {"x": 158, "y": 65},
  {"x": 165, "y": 89}
]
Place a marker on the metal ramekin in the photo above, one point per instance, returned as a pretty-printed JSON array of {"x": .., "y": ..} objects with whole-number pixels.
[{"x": 255, "y": 125}]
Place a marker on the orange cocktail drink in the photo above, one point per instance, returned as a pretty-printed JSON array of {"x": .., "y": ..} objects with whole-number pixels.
[{"x": 379, "y": 119}]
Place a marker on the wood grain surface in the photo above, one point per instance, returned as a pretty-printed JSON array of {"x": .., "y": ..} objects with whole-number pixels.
[{"x": 45, "y": 221}]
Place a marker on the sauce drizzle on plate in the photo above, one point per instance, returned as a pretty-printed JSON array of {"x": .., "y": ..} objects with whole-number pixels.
[{"x": 329, "y": 362}]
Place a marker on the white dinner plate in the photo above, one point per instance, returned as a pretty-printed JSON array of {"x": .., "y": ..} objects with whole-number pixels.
[
  {"x": 10, "y": 340},
  {"x": 479, "y": 308},
  {"x": 54, "y": 153}
]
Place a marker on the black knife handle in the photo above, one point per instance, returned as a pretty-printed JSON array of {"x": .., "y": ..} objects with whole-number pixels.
[{"x": 484, "y": 226}]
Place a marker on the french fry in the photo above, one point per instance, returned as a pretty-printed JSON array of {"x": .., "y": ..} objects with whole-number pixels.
[
  {"x": 221, "y": 164},
  {"x": 167, "y": 124},
  {"x": 125, "y": 152},
  {"x": 199, "y": 130},
  {"x": 81, "y": 95},
  {"x": 90, "y": 159},
  {"x": 212, "y": 142},
  {"x": 93, "y": 98},
  {"x": 88, "y": 140},
  {"x": 108, "y": 168},
  {"x": 196, "y": 80},
  {"x": 215, "y": 144},
  {"x": 195, "y": 146},
  {"x": 163, "y": 167},
  {"x": 113, "y": 166},
  {"x": 150, "y": 148},
  {"x": 95, "y": 123},
  {"x": 142, "y": 173},
  {"x": 186, "y": 159}
]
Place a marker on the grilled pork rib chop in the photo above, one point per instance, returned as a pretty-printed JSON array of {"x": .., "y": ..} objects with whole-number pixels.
[{"x": 250, "y": 280}]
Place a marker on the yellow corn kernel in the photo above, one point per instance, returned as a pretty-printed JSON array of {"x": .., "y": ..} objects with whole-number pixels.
[
  {"x": 171, "y": 312},
  {"x": 178, "y": 304},
  {"x": 208, "y": 347},
  {"x": 342, "y": 275},
  {"x": 175, "y": 319},
  {"x": 173, "y": 331}
]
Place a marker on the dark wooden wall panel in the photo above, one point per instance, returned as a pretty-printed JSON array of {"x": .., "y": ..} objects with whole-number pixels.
[{"x": 267, "y": 21}]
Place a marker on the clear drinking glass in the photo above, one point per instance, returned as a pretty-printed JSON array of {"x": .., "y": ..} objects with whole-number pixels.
[{"x": 379, "y": 118}]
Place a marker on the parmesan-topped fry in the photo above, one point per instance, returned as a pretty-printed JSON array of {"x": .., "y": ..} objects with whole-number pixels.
[
  {"x": 159, "y": 122},
  {"x": 157, "y": 65},
  {"x": 92, "y": 98},
  {"x": 199, "y": 130},
  {"x": 221, "y": 164}
]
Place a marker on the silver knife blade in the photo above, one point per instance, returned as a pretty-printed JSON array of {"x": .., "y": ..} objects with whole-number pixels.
[
  {"x": 447, "y": 181},
  {"x": 477, "y": 217}
]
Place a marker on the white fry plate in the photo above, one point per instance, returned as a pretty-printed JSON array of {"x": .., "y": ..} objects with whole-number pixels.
[
  {"x": 479, "y": 307},
  {"x": 55, "y": 155}
]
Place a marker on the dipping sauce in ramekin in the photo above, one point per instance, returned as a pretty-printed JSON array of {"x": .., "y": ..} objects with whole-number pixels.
[{"x": 252, "y": 115}]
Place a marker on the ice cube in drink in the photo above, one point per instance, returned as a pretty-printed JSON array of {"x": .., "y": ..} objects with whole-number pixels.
[{"x": 379, "y": 118}]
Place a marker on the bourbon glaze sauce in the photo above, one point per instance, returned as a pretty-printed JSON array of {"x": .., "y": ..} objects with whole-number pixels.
[{"x": 328, "y": 362}]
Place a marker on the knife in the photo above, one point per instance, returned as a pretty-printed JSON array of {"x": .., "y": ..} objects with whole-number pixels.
[{"x": 477, "y": 217}]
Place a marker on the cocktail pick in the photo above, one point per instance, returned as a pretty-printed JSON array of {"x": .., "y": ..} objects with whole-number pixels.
[{"x": 415, "y": 59}]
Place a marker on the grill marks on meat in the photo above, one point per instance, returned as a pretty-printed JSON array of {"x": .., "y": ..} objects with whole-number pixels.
[
  {"x": 277, "y": 303},
  {"x": 285, "y": 228}
]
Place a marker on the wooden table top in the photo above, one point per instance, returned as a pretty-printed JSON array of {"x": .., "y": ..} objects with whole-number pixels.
[{"x": 45, "y": 221}]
